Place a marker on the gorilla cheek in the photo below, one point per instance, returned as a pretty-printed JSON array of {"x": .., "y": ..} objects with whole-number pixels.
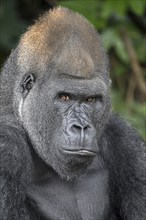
[{"x": 102, "y": 119}]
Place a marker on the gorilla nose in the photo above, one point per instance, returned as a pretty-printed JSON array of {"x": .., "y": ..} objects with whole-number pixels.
[
  {"x": 80, "y": 128},
  {"x": 81, "y": 133}
]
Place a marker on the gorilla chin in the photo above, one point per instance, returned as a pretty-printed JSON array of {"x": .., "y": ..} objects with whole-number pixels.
[{"x": 70, "y": 164}]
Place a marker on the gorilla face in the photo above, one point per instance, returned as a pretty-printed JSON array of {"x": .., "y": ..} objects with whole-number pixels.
[
  {"x": 63, "y": 101},
  {"x": 64, "y": 116}
]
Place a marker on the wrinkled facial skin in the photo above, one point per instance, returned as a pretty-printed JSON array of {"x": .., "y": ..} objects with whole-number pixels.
[{"x": 64, "y": 117}]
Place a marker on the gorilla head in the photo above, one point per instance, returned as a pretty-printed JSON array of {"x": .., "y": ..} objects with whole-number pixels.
[{"x": 62, "y": 90}]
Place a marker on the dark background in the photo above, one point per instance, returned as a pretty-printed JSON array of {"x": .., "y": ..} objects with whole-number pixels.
[{"x": 122, "y": 25}]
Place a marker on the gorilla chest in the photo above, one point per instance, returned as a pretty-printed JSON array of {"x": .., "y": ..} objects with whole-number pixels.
[{"x": 85, "y": 199}]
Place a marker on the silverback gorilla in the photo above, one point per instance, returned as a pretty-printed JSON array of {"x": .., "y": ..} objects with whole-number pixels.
[{"x": 64, "y": 155}]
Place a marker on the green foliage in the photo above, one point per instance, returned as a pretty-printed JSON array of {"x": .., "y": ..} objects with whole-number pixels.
[
  {"x": 133, "y": 112},
  {"x": 137, "y": 6},
  {"x": 110, "y": 38}
]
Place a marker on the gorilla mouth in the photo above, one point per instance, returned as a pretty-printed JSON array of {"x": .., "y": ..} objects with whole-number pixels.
[{"x": 80, "y": 152}]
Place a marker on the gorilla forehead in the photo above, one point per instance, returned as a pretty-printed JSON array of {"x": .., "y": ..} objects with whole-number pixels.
[
  {"x": 75, "y": 60},
  {"x": 67, "y": 34},
  {"x": 74, "y": 84}
]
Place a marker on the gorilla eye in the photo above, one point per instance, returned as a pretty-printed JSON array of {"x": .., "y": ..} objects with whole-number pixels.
[
  {"x": 64, "y": 97},
  {"x": 91, "y": 99},
  {"x": 27, "y": 83}
]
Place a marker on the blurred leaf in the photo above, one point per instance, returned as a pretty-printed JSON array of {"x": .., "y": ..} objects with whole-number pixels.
[
  {"x": 116, "y": 7},
  {"x": 137, "y": 6},
  {"x": 120, "y": 50},
  {"x": 139, "y": 43},
  {"x": 110, "y": 39},
  {"x": 134, "y": 113},
  {"x": 87, "y": 8},
  {"x": 120, "y": 70}
]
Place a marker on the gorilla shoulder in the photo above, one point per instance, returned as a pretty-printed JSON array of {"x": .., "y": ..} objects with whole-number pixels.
[{"x": 14, "y": 150}]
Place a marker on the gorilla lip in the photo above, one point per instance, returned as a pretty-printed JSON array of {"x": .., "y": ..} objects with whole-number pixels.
[{"x": 79, "y": 152}]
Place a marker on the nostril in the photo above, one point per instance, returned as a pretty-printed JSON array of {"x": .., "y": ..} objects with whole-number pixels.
[
  {"x": 87, "y": 127},
  {"x": 77, "y": 127}
]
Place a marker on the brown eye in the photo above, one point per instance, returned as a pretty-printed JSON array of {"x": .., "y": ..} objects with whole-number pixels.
[
  {"x": 91, "y": 99},
  {"x": 64, "y": 98}
]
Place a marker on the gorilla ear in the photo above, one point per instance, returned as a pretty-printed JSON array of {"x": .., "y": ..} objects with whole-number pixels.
[{"x": 27, "y": 83}]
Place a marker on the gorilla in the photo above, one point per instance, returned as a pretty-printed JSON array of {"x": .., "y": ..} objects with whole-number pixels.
[{"x": 64, "y": 154}]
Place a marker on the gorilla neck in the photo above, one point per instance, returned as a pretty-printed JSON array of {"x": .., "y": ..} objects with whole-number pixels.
[{"x": 69, "y": 194}]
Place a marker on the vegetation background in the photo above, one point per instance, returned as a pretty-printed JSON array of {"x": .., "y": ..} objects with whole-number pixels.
[{"x": 122, "y": 26}]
